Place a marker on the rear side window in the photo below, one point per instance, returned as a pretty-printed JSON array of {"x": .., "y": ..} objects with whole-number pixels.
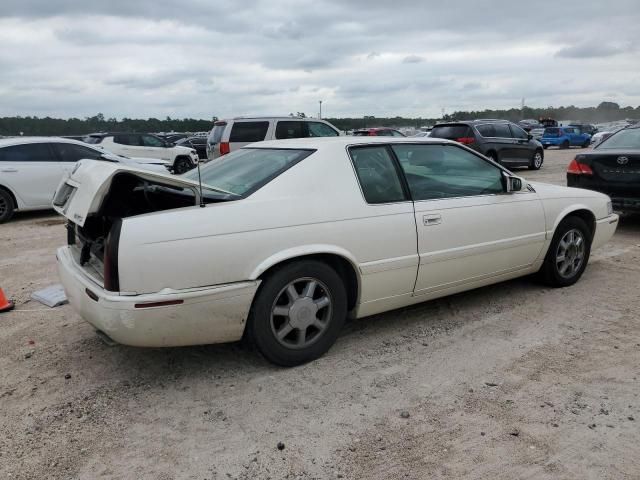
[
  {"x": 451, "y": 132},
  {"x": 151, "y": 141},
  {"x": 289, "y": 130},
  {"x": 486, "y": 130},
  {"x": 69, "y": 152},
  {"x": 248, "y": 131},
  {"x": 126, "y": 140},
  {"x": 317, "y": 129},
  {"x": 551, "y": 132},
  {"x": 377, "y": 174},
  {"x": 29, "y": 152},
  {"x": 361, "y": 133},
  {"x": 502, "y": 130}
]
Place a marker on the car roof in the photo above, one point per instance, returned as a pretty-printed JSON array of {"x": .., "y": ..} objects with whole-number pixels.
[
  {"x": 473, "y": 122},
  {"x": 5, "y": 142},
  {"x": 318, "y": 143},
  {"x": 370, "y": 129},
  {"x": 276, "y": 117}
]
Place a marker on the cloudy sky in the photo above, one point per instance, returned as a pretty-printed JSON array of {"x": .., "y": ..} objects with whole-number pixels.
[{"x": 199, "y": 58}]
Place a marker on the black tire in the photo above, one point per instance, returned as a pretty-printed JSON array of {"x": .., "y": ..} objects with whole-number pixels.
[
  {"x": 550, "y": 272},
  {"x": 182, "y": 165},
  {"x": 565, "y": 145},
  {"x": 263, "y": 327},
  {"x": 586, "y": 144},
  {"x": 545, "y": 146},
  {"x": 536, "y": 160},
  {"x": 7, "y": 207}
]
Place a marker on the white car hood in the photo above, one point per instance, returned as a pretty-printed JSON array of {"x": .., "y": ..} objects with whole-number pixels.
[
  {"x": 91, "y": 180},
  {"x": 547, "y": 190}
]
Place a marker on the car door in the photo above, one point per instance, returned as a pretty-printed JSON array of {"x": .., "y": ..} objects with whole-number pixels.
[
  {"x": 523, "y": 150},
  {"x": 505, "y": 144},
  {"x": 32, "y": 172},
  {"x": 386, "y": 231},
  {"x": 154, "y": 147},
  {"x": 469, "y": 229}
]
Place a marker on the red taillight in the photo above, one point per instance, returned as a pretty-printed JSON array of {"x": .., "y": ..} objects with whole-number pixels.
[
  {"x": 224, "y": 148},
  {"x": 466, "y": 140},
  {"x": 372, "y": 133},
  {"x": 578, "y": 168}
]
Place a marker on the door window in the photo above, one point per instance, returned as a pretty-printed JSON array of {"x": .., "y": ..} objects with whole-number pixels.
[
  {"x": 151, "y": 141},
  {"x": 248, "y": 131},
  {"x": 446, "y": 171},
  {"x": 518, "y": 133},
  {"x": 289, "y": 130},
  {"x": 28, "y": 152},
  {"x": 501, "y": 130},
  {"x": 68, "y": 152},
  {"x": 377, "y": 174},
  {"x": 317, "y": 129},
  {"x": 395, "y": 133},
  {"x": 486, "y": 130},
  {"x": 127, "y": 139}
]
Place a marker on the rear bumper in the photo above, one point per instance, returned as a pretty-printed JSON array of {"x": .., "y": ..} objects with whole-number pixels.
[
  {"x": 620, "y": 201},
  {"x": 605, "y": 228},
  {"x": 205, "y": 315}
]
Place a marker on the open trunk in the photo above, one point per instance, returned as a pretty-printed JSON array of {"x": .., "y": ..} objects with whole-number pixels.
[{"x": 98, "y": 196}]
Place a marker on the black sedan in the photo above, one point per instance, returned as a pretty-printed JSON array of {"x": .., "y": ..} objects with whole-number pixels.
[
  {"x": 612, "y": 167},
  {"x": 197, "y": 143}
]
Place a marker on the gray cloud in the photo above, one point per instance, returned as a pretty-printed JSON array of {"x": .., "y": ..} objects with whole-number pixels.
[{"x": 197, "y": 59}]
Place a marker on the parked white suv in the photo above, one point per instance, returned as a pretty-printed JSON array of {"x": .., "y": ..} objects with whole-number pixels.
[
  {"x": 146, "y": 145},
  {"x": 234, "y": 133},
  {"x": 32, "y": 167}
]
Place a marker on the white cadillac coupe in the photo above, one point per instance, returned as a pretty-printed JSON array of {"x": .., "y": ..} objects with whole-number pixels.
[{"x": 287, "y": 238}]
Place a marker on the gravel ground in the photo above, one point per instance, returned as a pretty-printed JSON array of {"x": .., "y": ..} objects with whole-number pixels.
[{"x": 509, "y": 381}]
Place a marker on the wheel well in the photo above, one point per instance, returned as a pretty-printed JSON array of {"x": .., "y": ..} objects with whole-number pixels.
[
  {"x": 180, "y": 157},
  {"x": 342, "y": 266},
  {"x": 13, "y": 197},
  {"x": 586, "y": 216}
]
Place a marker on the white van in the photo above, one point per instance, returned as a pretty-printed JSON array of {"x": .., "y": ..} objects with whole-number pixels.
[{"x": 231, "y": 134}]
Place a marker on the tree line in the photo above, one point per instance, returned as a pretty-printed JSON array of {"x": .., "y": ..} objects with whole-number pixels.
[{"x": 604, "y": 112}]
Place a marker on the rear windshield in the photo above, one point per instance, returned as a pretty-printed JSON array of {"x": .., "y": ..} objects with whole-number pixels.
[
  {"x": 624, "y": 139},
  {"x": 551, "y": 132},
  {"x": 451, "y": 132},
  {"x": 216, "y": 133},
  {"x": 248, "y": 131},
  {"x": 246, "y": 170}
]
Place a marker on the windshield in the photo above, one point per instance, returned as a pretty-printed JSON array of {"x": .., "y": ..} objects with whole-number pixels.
[
  {"x": 628, "y": 138},
  {"x": 246, "y": 170}
]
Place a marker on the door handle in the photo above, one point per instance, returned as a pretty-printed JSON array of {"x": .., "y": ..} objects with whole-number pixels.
[
  {"x": 9, "y": 170},
  {"x": 432, "y": 219}
]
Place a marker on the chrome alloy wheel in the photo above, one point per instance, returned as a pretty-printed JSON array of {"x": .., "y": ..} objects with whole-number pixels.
[
  {"x": 301, "y": 313},
  {"x": 570, "y": 253},
  {"x": 537, "y": 160}
]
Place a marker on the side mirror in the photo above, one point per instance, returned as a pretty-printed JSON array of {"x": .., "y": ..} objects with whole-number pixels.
[{"x": 512, "y": 183}]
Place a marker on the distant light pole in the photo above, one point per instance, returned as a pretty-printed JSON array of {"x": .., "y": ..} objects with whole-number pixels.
[{"x": 320, "y": 114}]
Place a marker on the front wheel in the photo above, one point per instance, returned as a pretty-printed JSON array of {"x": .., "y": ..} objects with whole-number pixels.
[
  {"x": 298, "y": 313},
  {"x": 568, "y": 253},
  {"x": 536, "y": 161},
  {"x": 565, "y": 145}
]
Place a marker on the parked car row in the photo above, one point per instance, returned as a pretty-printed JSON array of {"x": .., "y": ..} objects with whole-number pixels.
[{"x": 32, "y": 167}]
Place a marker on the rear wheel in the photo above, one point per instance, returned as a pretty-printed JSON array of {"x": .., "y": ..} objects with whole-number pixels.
[
  {"x": 6, "y": 206},
  {"x": 586, "y": 144},
  {"x": 565, "y": 144},
  {"x": 568, "y": 253},
  {"x": 536, "y": 161},
  {"x": 298, "y": 313}
]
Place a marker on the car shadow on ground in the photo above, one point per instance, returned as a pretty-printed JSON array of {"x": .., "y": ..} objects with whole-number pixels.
[
  {"x": 226, "y": 361},
  {"x": 39, "y": 216}
]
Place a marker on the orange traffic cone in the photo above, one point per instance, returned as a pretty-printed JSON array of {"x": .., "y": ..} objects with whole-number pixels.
[{"x": 5, "y": 304}]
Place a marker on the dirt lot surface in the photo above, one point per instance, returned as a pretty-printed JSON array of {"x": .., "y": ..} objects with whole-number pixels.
[{"x": 509, "y": 381}]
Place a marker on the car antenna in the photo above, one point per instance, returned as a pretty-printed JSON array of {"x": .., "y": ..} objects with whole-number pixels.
[{"x": 200, "y": 185}]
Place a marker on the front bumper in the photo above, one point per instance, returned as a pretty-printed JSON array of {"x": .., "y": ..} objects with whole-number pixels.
[
  {"x": 605, "y": 228},
  {"x": 206, "y": 315}
]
